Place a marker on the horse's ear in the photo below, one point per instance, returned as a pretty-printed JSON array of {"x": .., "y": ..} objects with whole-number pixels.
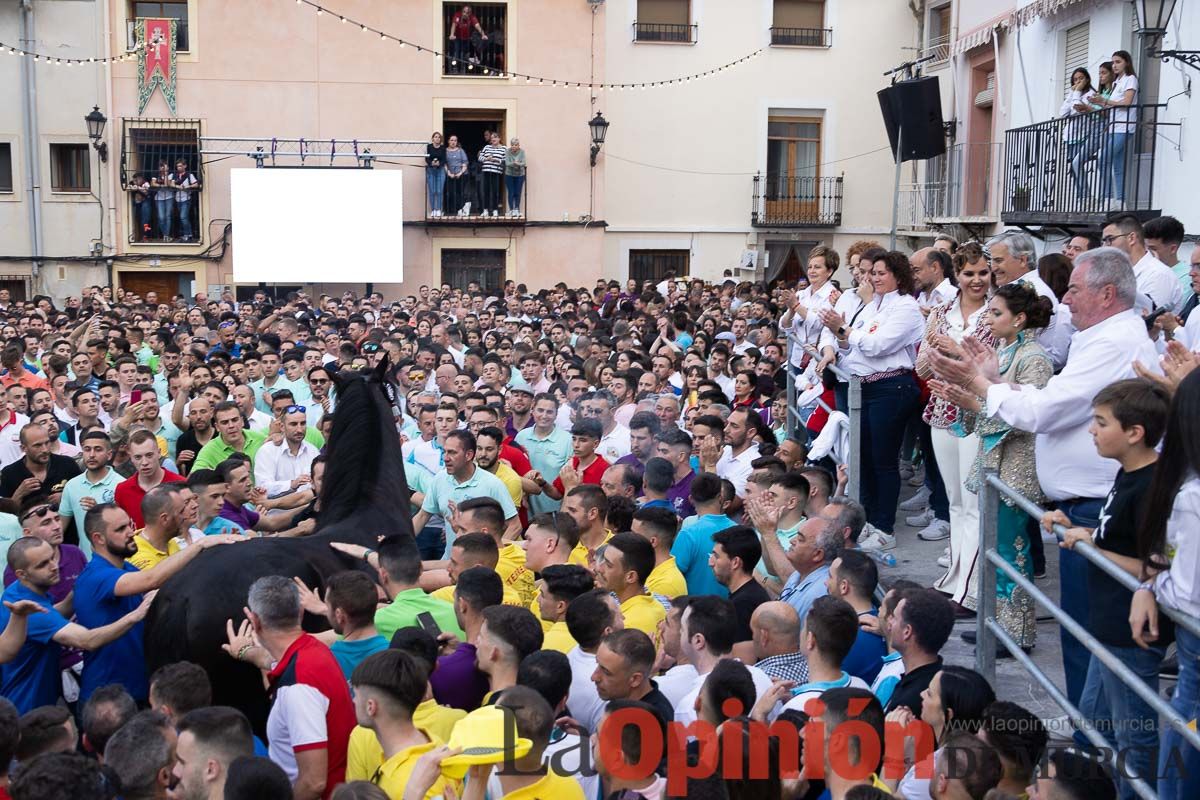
[
  {"x": 381, "y": 368},
  {"x": 380, "y": 376}
]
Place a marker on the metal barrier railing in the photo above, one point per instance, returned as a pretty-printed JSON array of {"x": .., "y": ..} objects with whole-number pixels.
[
  {"x": 853, "y": 411},
  {"x": 989, "y": 632}
]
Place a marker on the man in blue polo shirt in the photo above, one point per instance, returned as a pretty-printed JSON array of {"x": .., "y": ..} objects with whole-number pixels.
[
  {"x": 461, "y": 480},
  {"x": 110, "y": 588},
  {"x": 32, "y": 678}
]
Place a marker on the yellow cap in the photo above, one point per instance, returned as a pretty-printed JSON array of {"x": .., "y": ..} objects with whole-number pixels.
[{"x": 483, "y": 736}]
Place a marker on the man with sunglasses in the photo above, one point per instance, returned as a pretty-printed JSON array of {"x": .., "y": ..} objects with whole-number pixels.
[
  {"x": 320, "y": 384},
  {"x": 41, "y": 520},
  {"x": 282, "y": 467},
  {"x": 227, "y": 336}
]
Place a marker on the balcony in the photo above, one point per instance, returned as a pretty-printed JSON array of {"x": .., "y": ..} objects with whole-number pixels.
[
  {"x": 672, "y": 33},
  {"x": 801, "y": 37},
  {"x": 473, "y": 188},
  {"x": 151, "y": 149},
  {"x": 961, "y": 185},
  {"x": 1061, "y": 172},
  {"x": 939, "y": 48},
  {"x": 796, "y": 201},
  {"x": 469, "y": 53}
]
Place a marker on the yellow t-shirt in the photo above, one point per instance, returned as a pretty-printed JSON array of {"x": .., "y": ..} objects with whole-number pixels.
[
  {"x": 537, "y": 611},
  {"x": 580, "y": 554},
  {"x": 667, "y": 580},
  {"x": 551, "y": 787},
  {"x": 148, "y": 555},
  {"x": 513, "y": 571},
  {"x": 511, "y": 598},
  {"x": 364, "y": 761},
  {"x": 511, "y": 480},
  {"x": 644, "y": 613},
  {"x": 558, "y": 638}
]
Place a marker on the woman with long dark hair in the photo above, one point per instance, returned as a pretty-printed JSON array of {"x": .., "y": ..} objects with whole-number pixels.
[
  {"x": 1122, "y": 125},
  {"x": 1076, "y": 130},
  {"x": 880, "y": 347},
  {"x": 1169, "y": 544}
]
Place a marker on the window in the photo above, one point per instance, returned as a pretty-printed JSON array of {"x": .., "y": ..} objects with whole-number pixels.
[
  {"x": 652, "y": 265},
  {"x": 793, "y": 156},
  {"x": 175, "y": 10},
  {"x": 477, "y": 44},
  {"x": 460, "y": 267},
  {"x": 148, "y": 148},
  {"x": 800, "y": 23},
  {"x": 664, "y": 21},
  {"x": 937, "y": 43},
  {"x": 6, "y": 171},
  {"x": 1075, "y": 53},
  {"x": 70, "y": 168}
]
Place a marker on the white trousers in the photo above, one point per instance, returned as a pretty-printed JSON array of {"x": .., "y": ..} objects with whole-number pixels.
[{"x": 955, "y": 456}]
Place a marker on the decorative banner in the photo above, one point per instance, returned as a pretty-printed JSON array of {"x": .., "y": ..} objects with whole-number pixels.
[{"x": 156, "y": 60}]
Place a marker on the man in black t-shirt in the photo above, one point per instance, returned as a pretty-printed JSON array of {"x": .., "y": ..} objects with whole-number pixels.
[
  {"x": 920, "y": 627},
  {"x": 199, "y": 433},
  {"x": 40, "y": 472},
  {"x": 1128, "y": 421},
  {"x": 736, "y": 552}
]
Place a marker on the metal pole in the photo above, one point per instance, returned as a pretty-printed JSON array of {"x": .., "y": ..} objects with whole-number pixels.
[
  {"x": 896, "y": 189},
  {"x": 790, "y": 390},
  {"x": 854, "y": 467},
  {"x": 989, "y": 521},
  {"x": 29, "y": 103},
  {"x": 1073, "y": 713}
]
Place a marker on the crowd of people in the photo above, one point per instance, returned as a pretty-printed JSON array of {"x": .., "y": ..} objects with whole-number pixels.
[{"x": 627, "y": 552}]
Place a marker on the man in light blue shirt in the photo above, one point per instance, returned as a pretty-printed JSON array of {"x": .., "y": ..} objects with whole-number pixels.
[
  {"x": 813, "y": 549},
  {"x": 95, "y": 486},
  {"x": 461, "y": 480},
  {"x": 548, "y": 447},
  {"x": 694, "y": 543}
]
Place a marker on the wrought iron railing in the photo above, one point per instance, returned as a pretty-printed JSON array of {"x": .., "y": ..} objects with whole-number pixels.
[
  {"x": 802, "y": 37},
  {"x": 665, "y": 32},
  {"x": 472, "y": 199},
  {"x": 1078, "y": 169},
  {"x": 961, "y": 183},
  {"x": 796, "y": 201},
  {"x": 477, "y": 55},
  {"x": 154, "y": 213}
]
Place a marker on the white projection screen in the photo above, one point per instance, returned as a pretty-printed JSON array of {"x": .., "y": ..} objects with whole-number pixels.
[{"x": 316, "y": 225}]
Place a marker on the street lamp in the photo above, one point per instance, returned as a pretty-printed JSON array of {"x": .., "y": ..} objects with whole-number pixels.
[
  {"x": 1153, "y": 16},
  {"x": 95, "y": 127},
  {"x": 599, "y": 127}
]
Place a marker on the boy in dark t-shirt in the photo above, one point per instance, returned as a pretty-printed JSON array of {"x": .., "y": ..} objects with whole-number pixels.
[{"x": 1128, "y": 420}]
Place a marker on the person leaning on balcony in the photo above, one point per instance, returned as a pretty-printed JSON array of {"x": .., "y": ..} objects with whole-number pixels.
[
  {"x": 457, "y": 162},
  {"x": 514, "y": 176},
  {"x": 1123, "y": 125},
  {"x": 491, "y": 164},
  {"x": 880, "y": 347},
  {"x": 139, "y": 192},
  {"x": 435, "y": 173},
  {"x": 461, "y": 26},
  {"x": 1077, "y": 135}
]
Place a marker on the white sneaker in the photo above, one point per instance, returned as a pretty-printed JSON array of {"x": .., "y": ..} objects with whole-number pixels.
[
  {"x": 466, "y": 209},
  {"x": 944, "y": 561},
  {"x": 495, "y": 213},
  {"x": 917, "y": 501},
  {"x": 875, "y": 539},
  {"x": 936, "y": 531},
  {"x": 920, "y": 520}
]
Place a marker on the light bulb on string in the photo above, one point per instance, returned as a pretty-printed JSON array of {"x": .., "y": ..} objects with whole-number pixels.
[{"x": 320, "y": 11}]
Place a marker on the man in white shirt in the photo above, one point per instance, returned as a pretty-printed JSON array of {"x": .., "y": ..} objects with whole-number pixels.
[
  {"x": 614, "y": 441},
  {"x": 708, "y": 628},
  {"x": 741, "y": 448},
  {"x": 1111, "y": 337},
  {"x": 1015, "y": 259},
  {"x": 286, "y": 466},
  {"x": 243, "y": 395},
  {"x": 1154, "y": 278},
  {"x": 590, "y": 617},
  {"x": 932, "y": 270}
]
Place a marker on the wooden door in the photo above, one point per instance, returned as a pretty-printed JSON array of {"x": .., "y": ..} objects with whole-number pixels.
[
  {"x": 166, "y": 284},
  {"x": 793, "y": 169}
]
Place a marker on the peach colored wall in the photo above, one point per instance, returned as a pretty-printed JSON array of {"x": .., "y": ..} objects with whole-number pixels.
[{"x": 276, "y": 69}]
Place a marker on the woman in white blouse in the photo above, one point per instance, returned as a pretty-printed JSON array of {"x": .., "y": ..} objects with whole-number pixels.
[
  {"x": 1169, "y": 542},
  {"x": 1123, "y": 124},
  {"x": 1079, "y": 133},
  {"x": 879, "y": 346},
  {"x": 802, "y": 320}
]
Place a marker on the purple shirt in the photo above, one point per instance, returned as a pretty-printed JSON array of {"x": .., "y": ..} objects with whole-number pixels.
[
  {"x": 243, "y": 516},
  {"x": 511, "y": 430},
  {"x": 679, "y": 495},
  {"x": 632, "y": 461},
  {"x": 457, "y": 682}
]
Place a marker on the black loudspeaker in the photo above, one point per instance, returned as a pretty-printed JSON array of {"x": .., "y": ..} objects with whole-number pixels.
[{"x": 912, "y": 110}]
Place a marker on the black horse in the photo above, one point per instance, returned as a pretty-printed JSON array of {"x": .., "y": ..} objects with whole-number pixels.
[{"x": 364, "y": 495}]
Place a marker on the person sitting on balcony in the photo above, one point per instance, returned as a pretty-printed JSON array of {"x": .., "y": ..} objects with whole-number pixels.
[
  {"x": 1123, "y": 124},
  {"x": 139, "y": 190},
  {"x": 491, "y": 163},
  {"x": 164, "y": 199},
  {"x": 457, "y": 162},
  {"x": 1078, "y": 135},
  {"x": 461, "y": 26},
  {"x": 514, "y": 176}
]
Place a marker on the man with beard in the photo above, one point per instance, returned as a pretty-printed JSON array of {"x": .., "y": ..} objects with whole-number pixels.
[
  {"x": 40, "y": 472},
  {"x": 110, "y": 588},
  {"x": 96, "y": 485},
  {"x": 199, "y": 433},
  {"x": 520, "y": 404},
  {"x": 487, "y": 457}
]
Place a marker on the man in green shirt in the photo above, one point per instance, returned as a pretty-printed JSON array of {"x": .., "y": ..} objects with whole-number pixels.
[{"x": 231, "y": 438}]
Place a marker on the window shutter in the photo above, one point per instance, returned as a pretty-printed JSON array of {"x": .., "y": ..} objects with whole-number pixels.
[{"x": 1075, "y": 53}]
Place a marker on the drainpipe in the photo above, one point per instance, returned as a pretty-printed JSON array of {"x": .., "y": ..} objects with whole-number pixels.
[
  {"x": 110, "y": 196},
  {"x": 32, "y": 146}
]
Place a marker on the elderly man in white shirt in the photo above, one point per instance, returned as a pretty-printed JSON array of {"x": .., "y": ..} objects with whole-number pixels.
[
  {"x": 285, "y": 466},
  {"x": 1111, "y": 337},
  {"x": 1015, "y": 259},
  {"x": 1154, "y": 278}
]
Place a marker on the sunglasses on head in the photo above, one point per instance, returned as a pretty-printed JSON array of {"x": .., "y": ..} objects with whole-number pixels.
[
  {"x": 227, "y": 324},
  {"x": 38, "y": 511},
  {"x": 295, "y": 410}
]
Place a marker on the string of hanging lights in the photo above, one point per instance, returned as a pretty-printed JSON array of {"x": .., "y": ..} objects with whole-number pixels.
[{"x": 56, "y": 61}]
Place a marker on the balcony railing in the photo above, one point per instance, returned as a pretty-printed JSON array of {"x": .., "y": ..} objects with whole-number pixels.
[
  {"x": 961, "y": 184},
  {"x": 471, "y": 199},
  {"x": 155, "y": 214},
  {"x": 791, "y": 201},
  {"x": 1077, "y": 170},
  {"x": 665, "y": 32},
  {"x": 802, "y": 37},
  {"x": 939, "y": 48},
  {"x": 476, "y": 56}
]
